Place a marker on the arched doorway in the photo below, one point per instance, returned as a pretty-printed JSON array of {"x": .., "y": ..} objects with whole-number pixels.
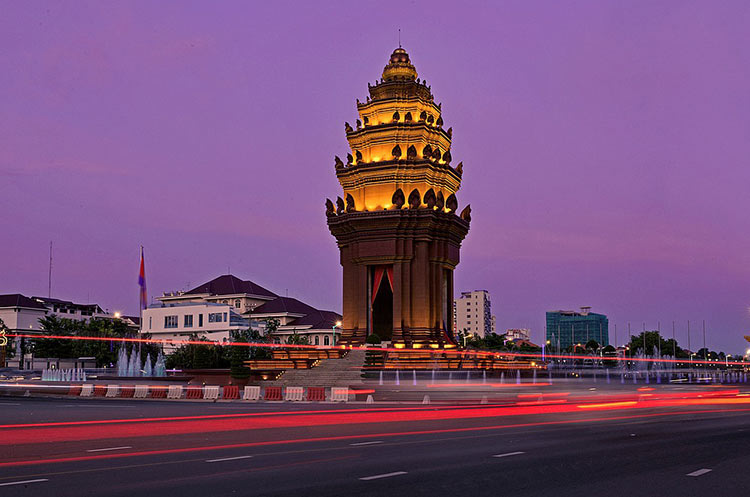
[{"x": 381, "y": 308}]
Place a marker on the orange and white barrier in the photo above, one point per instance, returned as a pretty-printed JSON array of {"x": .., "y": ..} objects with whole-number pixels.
[
  {"x": 211, "y": 392},
  {"x": 87, "y": 390},
  {"x": 251, "y": 392},
  {"x": 141, "y": 391},
  {"x": 112, "y": 390},
  {"x": 339, "y": 394},
  {"x": 174, "y": 392},
  {"x": 294, "y": 394}
]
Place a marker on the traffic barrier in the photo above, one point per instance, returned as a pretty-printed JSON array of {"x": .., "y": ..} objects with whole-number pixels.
[
  {"x": 74, "y": 390},
  {"x": 272, "y": 393},
  {"x": 87, "y": 390},
  {"x": 339, "y": 394},
  {"x": 211, "y": 392},
  {"x": 100, "y": 390},
  {"x": 127, "y": 391},
  {"x": 194, "y": 393},
  {"x": 370, "y": 400},
  {"x": 251, "y": 392},
  {"x": 141, "y": 392},
  {"x": 294, "y": 394},
  {"x": 230, "y": 392},
  {"x": 175, "y": 392},
  {"x": 316, "y": 394},
  {"x": 158, "y": 392},
  {"x": 112, "y": 390},
  {"x": 426, "y": 399}
]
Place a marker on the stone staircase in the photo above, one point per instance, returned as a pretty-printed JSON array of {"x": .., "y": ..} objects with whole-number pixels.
[{"x": 329, "y": 373}]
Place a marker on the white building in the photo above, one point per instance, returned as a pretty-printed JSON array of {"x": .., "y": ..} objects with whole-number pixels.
[
  {"x": 518, "y": 334},
  {"x": 250, "y": 301},
  {"x": 21, "y": 315},
  {"x": 473, "y": 313},
  {"x": 176, "y": 321}
]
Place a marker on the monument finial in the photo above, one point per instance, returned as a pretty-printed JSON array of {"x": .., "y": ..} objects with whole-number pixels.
[{"x": 399, "y": 37}]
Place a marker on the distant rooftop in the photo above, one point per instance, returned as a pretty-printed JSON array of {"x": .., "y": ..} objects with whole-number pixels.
[{"x": 230, "y": 285}]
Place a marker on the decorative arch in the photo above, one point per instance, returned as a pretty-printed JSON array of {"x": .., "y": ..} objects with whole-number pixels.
[{"x": 414, "y": 199}]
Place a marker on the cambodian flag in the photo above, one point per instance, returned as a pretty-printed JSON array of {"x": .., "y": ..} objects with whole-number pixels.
[{"x": 142, "y": 283}]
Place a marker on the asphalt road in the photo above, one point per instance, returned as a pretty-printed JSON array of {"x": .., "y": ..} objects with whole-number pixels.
[{"x": 691, "y": 442}]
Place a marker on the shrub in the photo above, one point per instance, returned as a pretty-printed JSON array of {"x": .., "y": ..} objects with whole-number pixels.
[{"x": 373, "y": 339}]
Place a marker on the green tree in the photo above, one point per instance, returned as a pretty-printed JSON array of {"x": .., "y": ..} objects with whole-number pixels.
[
  {"x": 592, "y": 345},
  {"x": 110, "y": 333},
  {"x": 198, "y": 356},
  {"x": 296, "y": 339},
  {"x": 238, "y": 354}
]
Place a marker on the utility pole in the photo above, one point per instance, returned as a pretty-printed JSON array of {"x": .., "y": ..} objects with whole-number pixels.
[
  {"x": 690, "y": 349},
  {"x": 49, "y": 278}
]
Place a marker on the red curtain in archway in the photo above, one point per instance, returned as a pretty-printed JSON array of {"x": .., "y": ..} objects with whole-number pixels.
[{"x": 377, "y": 278}]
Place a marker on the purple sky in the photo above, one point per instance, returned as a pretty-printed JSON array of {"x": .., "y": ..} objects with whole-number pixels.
[{"x": 605, "y": 145}]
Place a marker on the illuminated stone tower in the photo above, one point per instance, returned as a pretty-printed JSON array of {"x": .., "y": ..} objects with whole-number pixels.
[{"x": 396, "y": 225}]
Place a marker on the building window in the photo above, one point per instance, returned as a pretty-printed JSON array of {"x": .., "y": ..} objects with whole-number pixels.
[
  {"x": 225, "y": 317},
  {"x": 170, "y": 321},
  {"x": 237, "y": 304},
  {"x": 149, "y": 322},
  {"x": 317, "y": 340},
  {"x": 188, "y": 320},
  {"x": 214, "y": 317},
  {"x": 200, "y": 320},
  {"x": 326, "y": 340}
]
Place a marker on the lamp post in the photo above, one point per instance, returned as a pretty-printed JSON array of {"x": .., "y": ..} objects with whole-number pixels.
[{"x": 333, "y": 328}]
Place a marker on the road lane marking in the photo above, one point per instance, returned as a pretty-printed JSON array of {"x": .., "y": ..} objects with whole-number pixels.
[
  {"x": 110, "y": 448},
  {"x": 22, "y": 482},
  {"x": 367, "y": 443},
  {"x": 228, "y": 459},
  {"x": 386, "y": 475},
  {"x": 508, "y": 454},
  {"x": 699, "y": 472}
]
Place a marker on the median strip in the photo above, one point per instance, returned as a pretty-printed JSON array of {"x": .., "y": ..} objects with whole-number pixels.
[{"x": 699, "y": 472}]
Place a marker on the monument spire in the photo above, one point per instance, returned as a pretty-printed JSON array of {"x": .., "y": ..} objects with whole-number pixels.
[{"x": 396, "y": 222}]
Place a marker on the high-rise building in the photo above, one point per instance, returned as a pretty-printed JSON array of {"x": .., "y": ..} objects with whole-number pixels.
[
  {"x": 565, "y": 328},
  {"x": 474, "y": 313}
]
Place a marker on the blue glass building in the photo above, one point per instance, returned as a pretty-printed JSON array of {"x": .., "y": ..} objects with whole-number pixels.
[{"x": 565, "y": 328}]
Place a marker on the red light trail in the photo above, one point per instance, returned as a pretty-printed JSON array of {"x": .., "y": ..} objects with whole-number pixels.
[
  {"x": 467, "y": 354},
  {"x": 351, "y": 437}
]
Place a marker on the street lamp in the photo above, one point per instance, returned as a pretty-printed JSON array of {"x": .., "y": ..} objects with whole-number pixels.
[{"x": 336, "y": 325}]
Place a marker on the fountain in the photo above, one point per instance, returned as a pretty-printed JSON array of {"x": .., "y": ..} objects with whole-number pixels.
[
  {"x": 398, "y": 380},
  {"x": 414, "y": 377},
  {"x": 147, "y": 371},
  {"x": 380, "y": 377},
  {"x": 518, "y": 376}
]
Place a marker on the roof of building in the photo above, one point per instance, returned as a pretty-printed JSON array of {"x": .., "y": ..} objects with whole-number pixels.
[
  {"x": 284, "y": 304},
  {"x": 229, "y": 284},
  {"x": 18, "y": 300},
  {"x": 310, "y": 316},
  {"x": 318, "y": 320},
  {"x": 67, "y": 303}
]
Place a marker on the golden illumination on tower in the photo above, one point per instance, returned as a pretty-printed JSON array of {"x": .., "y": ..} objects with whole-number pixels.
[{"x": 398, "y": 144}]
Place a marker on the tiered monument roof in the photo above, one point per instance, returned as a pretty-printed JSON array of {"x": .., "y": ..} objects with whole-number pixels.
[{"x": 400, "y": 152}]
